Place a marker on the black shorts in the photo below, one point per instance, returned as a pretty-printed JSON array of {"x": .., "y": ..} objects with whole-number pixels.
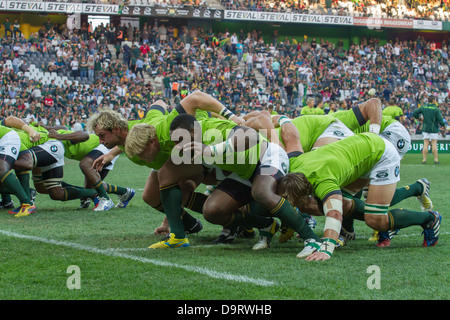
[{"x": 240, "y": 192}]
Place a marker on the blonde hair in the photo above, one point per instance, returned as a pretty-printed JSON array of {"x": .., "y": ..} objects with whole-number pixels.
[
  {"x": 138, "y": 138},
  {"x": 294, "y": 187},
  {"x": 107, "y": 119}
]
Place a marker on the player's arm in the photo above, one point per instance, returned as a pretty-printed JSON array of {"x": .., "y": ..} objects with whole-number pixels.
[
  {"x": 262, "y": 123},
  {"x": 203, "y": 101},
  {"x": 416, "y": 113},
  {"x": 105, "y": 158},
  {"x": 440, "y": 119},
  {"x": 332, "y": 208},
  {"x": 17, "y": 123},
  {"x": 290, "y": 136},
  {"x": 370, "y": 111},
  {"x": 254, "y": 114},
  {"x": 74, "y": 137},
  {"x": 48, "y": 128}
]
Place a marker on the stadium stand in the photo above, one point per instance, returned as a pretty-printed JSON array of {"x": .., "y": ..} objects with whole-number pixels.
[{"x": 281, "y": 74}]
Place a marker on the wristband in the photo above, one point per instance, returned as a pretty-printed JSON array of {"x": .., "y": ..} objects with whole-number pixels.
[
  {"x": 283, "y": 119},
  {"x": 328, "y": 246},
  {"x": 374, "y": 128},
  {"x": 226, "y": 113},
  {"x": 225, "y": 147}
]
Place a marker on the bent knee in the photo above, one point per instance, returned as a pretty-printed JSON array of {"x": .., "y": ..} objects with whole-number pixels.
[{"x": 377, "y": 222}]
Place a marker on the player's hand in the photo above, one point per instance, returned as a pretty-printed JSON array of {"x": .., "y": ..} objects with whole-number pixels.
[
  {"x": 164, "y": 228},
  {"x": 52, "y": 133},
  {"x": 101, "y": 161},
  {"x": 35, "y": 136},
  {"x": 196, "y": 149},
  {"x": 318, "y": 256},
  {"x": 161, "y": 230},
  {"x": 238, "y": 120}
]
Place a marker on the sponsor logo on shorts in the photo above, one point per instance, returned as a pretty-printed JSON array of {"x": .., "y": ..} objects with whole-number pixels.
[
  {"x": 338, "y": 133},
  {"x": 382, "y": 175},
  {"x": 14, "y": 150},
  {"x": 401, "y": 143},
  {"x": 284, "y": 167},
  {"x": 54, "y": 148},
  {"x": 397, "y": 171}
]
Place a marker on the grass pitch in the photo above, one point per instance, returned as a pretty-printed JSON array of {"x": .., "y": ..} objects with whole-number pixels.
[{"x": 109, "y": 252}]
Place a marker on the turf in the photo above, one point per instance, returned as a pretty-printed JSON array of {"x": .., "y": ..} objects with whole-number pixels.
[{"x": 110, "y": 249}]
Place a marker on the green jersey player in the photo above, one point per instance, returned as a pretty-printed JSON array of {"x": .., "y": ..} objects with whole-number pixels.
[
  {"x": 112, "y": 129},
  {"x": 85, "y": 148},
  {"x": 9, "y": 150},
  {"x": 348, "y": 164}
]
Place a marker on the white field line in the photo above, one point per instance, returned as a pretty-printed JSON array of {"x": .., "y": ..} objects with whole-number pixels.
[{"x": 116, "y": 254}]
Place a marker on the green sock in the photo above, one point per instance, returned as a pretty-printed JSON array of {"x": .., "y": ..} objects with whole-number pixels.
[
  {"x": 400, "y": 218},
  {"x": 98, "y": 186},
  {"x": 73, "y": 192},
  {"x": 68, "y": 185},
  {"x": 24, "y": 179},
  {"x": 287, "y": 214},
  {"x": 403, "y": 193},
  {"x": 159, "y": 208},
  {"x": 171, "y": 198},
  {"x": 10, "y": 182},
  {"x": 188, "y": 220},
  {"x": 6, "y": 197},
  {"x": 196, "y": 201},
  {"x": 248, "y": 221},
  {"x": 110, "y": 188},
  {"x": 356, "y": 212}
]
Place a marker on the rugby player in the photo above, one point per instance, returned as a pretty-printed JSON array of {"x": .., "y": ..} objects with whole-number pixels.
[
  {"x": 112, "y": 129},
  {"x": 348, "y": 164},
  {"x": 10, "y": 145},
  {"x": 86, "y": 152},
  {"x": 47, "y": 155},
  {"x": 246, "y": 163}
]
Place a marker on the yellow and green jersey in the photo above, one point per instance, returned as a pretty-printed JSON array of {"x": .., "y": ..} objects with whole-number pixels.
[
  {"x": 308, "y": 111},
  {"x": 4, "y": 130},
  {"x": 310, "y": 128},
  {"x": 385, "y": 121},
  {"x": 432, "y": 117},
  {"x": 393, "y": 112},
  {"x": 161, "y": 120},
  {"x": 79, "y": 150},
  {"x": 353, "y": 118},
  {"x": 334, "y": 166},
  {"x": 243, "y": 163}
]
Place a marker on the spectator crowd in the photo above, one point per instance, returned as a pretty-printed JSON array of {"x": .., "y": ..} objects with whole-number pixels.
[
  {"x": 397, "y": 9},
  {"x": 241, "y": 70}
]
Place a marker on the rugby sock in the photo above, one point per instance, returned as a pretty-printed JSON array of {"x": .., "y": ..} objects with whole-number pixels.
[
  {"x": 400, "y": 218},
  {"x": 73, "y": 192},
  {"x": 114, "y": 189},
  {"x": 188, "y": 220},
  {"x": 196, "y": 201},
  {"x": 98, "y": 186},
  {"x": 24, "y": 179},
  {"x": 10, "y": 181},
  {"x": 356, "y": 212},
  {"x": 413, "y": 190},
  {"x": 171, "y": 198},
  {"x": 6, "y": 197},
  {"x": 247, "y": 220},
  {"x": 159, "y": 208},
  {"x": 68, "y": 185},
  {"x": 287, "y": 214}
]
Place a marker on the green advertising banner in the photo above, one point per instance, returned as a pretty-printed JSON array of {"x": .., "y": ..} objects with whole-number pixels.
[
  {"x": 443, "y": 146},
  {"x": 446, "y": 26}
]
